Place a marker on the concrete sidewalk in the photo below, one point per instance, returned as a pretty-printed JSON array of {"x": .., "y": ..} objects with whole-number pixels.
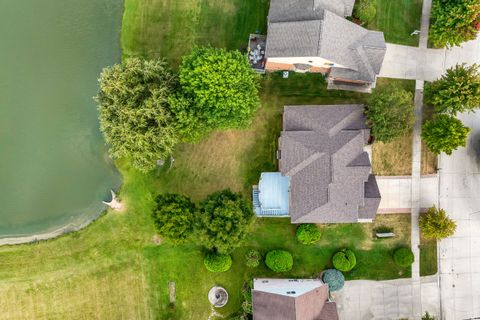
[
  {"x": 396, "y": 193},
  {"x": 392, "y": 299},
  {"x": 459, "y": 266}
]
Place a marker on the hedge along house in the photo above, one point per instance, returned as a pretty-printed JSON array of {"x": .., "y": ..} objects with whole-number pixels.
[
  {"x": 314, "y": 36},
  {"x": 325, "y": 172}
]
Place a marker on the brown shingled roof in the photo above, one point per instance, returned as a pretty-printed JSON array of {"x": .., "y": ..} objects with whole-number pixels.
[{"x": 308, "y": 306}]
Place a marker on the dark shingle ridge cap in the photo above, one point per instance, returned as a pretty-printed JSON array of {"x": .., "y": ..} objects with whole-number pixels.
[{"x": 320, "y": 36}]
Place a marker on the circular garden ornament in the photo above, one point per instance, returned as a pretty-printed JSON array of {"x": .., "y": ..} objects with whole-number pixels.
[{"x": 218, "y": 296}]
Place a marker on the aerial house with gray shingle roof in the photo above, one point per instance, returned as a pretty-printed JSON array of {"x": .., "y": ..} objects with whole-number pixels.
[
  {"x": 314, "y": 36},
  {"x": 292, "y": 299},
  {"x": 325, "y": 172}
]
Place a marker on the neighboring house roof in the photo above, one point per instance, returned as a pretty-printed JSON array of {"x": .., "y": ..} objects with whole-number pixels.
[
  {"x": 322, "y": 151},
  {"x": 294, "y": 10},
  {"x": 307, "y": 28},
  {"x": 292, "y": 299}
]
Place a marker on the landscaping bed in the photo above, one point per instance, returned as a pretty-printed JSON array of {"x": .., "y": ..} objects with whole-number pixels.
[{"x": 184, "y": 264}]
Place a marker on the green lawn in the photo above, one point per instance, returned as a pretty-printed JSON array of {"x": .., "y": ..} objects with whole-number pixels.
[
  {"x": 398, "y": 19},
  {"x": 112, "y": 269},
  {"x": 184, "y": 264},
  {"x": 169, "y": 28},
  {"x": 428, "y": 257}
]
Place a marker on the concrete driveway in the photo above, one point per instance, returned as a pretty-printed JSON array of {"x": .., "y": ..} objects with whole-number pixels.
[
  {"x": 379, "y": 300},
  {"x": 396, "y": 193},
  {"x": 459, "y": 266},
  {"x": 405, "y": 62}
]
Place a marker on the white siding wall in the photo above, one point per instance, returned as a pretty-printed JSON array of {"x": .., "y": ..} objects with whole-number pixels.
[{"x": 314, "y": 61}]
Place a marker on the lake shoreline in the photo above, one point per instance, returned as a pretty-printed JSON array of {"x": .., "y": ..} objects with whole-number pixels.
[{"x": 32, "y": 239}]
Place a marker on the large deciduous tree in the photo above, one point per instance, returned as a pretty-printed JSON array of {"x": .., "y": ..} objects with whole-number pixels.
[
  {"x": 454, "y": 21},
  {"x": 444, "y": 133},
  {"x": 173, "y": 216},
  {"x": 223, "y": 221},
  {"x": 435, "y": 224},
  {"x": 219, "y": 91},
  {"x": 134, "y": 113},
  {"x": 458, "y": 90},
  {"x": 390, "y": 112}
]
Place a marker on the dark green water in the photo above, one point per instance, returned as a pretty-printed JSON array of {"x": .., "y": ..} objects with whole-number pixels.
[{"x": 53, "y": 164}]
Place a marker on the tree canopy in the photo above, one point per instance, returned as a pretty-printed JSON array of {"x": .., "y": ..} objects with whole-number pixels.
[
  {"x": 134, "y": 113},
  {"x": 173, "y": 216},
  {"x": 390, "y": 112},
  {"x": 219, "y": 91},
  {"x": 223, "y": 221},
  {"x": 458, "y": 90},
  {"x": 365, "y": 10},
  {"x": 435, "y": 224},
  {"x": 444, "y": 133},
  {"x": 453, "y": 22}
]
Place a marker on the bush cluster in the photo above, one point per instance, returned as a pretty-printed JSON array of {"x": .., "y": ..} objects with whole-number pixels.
[
  {"x": 344, "y": 260},
  {"x": 403, "y": 257},
  {"x": 215, "y": 262},
  {"x": 334, "y": 279},
  {"x": 279, "y": 260},
  {"x": 365, "y": 10},
  {"x": 308, "y": 233},
  {"x": 252, "y": 258}
]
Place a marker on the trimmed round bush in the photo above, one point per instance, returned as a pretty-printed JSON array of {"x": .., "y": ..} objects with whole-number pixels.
[
  {"x": 279, "y": 260},
  {"x": 308, "y": 233},
  {"x": 334, "y": 279},
  {"x": 215, "y": 262},
  {"x": 344, "y": 260},
  {"x": 365, "y": 10},
  {"x": 252, "y": 258},
  {"x": 403, "y": 257}
]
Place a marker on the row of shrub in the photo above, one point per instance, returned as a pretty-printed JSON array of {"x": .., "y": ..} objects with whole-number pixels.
[{"x": 275, "y": 260}]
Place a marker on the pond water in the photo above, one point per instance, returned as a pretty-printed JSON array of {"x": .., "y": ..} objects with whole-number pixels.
[{"x": 54, "y": 170}]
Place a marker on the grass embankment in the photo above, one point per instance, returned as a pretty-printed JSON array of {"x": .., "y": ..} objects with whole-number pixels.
[
  {"x": 398, "y": 19},
  {"x": 112, "y": 269}
]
